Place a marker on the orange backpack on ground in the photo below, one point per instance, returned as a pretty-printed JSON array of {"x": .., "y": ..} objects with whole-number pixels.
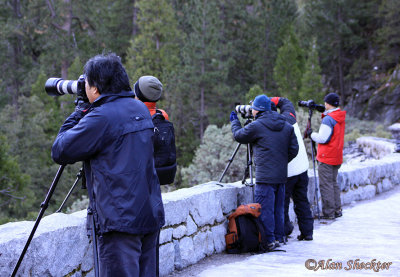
[{"x": 245, "y": 230}]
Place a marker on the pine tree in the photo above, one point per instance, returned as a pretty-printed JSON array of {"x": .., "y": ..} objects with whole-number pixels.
[
  {"x": 388, "y": 35},
  {"x": 289, "y": 67},
  {"x": 268, "y": 22},
  {"x": 311, "y": 82}
]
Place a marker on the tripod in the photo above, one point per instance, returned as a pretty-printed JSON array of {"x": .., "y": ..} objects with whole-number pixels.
[
  {"x": 313, "y": 151},
  {"x": 43, "y": 207},
  {"x": 249, "y": 167}
]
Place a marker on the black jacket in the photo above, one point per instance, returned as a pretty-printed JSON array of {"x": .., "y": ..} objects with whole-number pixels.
[
  {"x": 115, "y": 141},
  {"x": 274, "y": 145}
]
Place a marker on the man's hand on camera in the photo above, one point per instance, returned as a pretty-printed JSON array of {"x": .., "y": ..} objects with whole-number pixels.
[
  {"x": 82, "y": 106},
  {"x": 308, "y": 132},
  {"x": 233, "y": 116}
]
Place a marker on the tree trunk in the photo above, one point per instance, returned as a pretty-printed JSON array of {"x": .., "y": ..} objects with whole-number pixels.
[
  {"x": 340, "y": 60},
  {"x": 134, "y": 19}
]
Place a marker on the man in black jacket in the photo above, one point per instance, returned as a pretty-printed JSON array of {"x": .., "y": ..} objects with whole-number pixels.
[
  {"x": 113, "y": 136},
  {"x": 274, "y": 145}
]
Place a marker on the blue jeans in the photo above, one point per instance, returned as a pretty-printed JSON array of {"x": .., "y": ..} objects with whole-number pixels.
[
  {"x": 126, "y": 255},
  {"x": 272, "y": 199}
]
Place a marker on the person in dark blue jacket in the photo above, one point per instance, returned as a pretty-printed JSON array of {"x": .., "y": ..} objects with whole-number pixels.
[
  {"x": 274, "y": 145},
  {"x": 113, "y": 136}
]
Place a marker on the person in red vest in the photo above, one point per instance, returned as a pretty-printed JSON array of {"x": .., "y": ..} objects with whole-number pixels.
[{"x": 330, "y": 139}]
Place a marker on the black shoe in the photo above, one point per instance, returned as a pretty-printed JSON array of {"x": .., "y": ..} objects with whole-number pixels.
[
  {"x": 303, "y": 237},
  {"x": 329, "y": 217},
  {"x": 338, "y": 214}
]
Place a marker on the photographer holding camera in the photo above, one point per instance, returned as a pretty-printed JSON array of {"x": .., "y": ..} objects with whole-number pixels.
[
  {"x": 113, "y": 136},
  {"x": 297, "y": 183},
  {"x": 330, "y": 139},
  {"x": 275, "y": 145}
]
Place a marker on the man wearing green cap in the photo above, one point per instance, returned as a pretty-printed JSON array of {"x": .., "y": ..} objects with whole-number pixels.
[{"x": 274, "y": 145}]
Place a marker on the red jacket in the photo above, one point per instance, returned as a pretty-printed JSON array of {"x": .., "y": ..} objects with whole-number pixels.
[{"x": 332, "y": 152}]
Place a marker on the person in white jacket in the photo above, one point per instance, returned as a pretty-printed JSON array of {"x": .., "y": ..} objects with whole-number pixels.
[{"x": 297, "y": 182}]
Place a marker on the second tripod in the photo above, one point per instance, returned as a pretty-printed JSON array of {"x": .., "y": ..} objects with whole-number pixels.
[{"x": 249, "y": 165}]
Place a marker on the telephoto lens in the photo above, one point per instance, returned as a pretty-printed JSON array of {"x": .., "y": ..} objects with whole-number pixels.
[
  {"x": 244, "y": 110},
  {"x": 59, "y": 86}
]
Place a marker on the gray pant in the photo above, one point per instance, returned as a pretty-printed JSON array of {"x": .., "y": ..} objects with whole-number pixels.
[{"x": 330, "y": 190}]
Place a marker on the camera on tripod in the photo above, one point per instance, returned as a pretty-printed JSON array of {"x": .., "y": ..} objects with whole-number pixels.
[
  {"x": 59, "y": 86},
  {"x": 312, "y": 106},
  {"x": 244, "y": 110}
]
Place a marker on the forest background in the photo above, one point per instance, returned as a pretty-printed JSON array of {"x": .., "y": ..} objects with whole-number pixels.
[{"x": 209, "y": 55}]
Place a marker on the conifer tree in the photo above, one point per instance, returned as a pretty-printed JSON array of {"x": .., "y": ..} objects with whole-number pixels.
[
  {"x": 311, "y": 82},
  {"x": 289, "y": 67},
  {"x": 155, "y": 50},
  {"x": 388, "y": 35}
]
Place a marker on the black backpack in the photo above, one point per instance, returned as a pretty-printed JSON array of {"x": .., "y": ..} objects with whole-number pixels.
[
  {"x": 164, "y": 148},
  {"x": 245, "y": 230}
]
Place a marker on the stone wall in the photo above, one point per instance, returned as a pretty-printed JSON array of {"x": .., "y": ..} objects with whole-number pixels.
[{"x": 195, "y": 224}]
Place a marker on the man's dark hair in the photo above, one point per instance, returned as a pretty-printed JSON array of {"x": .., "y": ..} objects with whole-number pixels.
[{"x": 107, "y": 74}]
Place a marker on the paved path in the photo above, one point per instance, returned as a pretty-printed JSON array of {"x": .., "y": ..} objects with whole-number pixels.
[{"x": 368, "y": 231}]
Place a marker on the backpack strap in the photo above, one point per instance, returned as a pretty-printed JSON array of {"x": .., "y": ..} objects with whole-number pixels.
[{"x": 158, "y": 114}]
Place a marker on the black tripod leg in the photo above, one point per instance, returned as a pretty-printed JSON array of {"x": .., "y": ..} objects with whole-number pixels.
[
  {"x": 43, "y": 208},
  {"x": 315, "y": 177},
  {"x": 78, "y": 177},
  {"x": 229, "y": 163},
  {"x": 95, "y": 252}
]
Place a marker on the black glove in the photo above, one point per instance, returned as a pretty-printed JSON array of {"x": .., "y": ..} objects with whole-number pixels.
[
  {"x": 81, "y": 105},
  {"x": 308, "y": 133},
  {"x": 233, "y": 116}
]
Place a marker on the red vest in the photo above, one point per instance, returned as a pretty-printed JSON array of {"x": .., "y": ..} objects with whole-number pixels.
[{"x": 332, "y": 152}]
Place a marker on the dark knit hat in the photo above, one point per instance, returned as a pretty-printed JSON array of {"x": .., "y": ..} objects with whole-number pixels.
[
  {"x": 332, "y": 99},
  {"x": 148, "y": 89},
  {"x": 261, "y": 103}
]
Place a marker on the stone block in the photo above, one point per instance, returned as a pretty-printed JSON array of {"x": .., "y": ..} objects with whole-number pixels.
[
  {"x": 179, "y": 232},
  {"x": 167, "y": 258},
  {"x": 218, "y": 233},
  {"x": 191, "y": 226},
  {"x": 203, "y": 244},
  {"x": 166, "y": 235},
  {"x": 206, "y": 214},
  {"x": 184, "y": 253}
]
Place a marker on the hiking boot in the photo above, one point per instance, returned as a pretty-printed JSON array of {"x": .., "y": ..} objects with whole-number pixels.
[
  {"x": 338, "y": 213},
  {"x": 303, "y": 237}
]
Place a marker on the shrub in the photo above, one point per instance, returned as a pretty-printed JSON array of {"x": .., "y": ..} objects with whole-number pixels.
[{"x": 212, "y": 156}]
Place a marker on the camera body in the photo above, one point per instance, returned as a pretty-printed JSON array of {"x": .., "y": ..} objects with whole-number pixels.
[
  {"x": 59, "y": 86},
  {"x": 244, "y": 110},
  {"x": 312, "y": 106}
]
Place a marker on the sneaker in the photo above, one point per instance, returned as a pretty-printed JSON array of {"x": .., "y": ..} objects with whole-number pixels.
[
  {"x": 338, "y": 213},
  {"x": 303, "y": 237},
  {"x": 271, "y": 246}
]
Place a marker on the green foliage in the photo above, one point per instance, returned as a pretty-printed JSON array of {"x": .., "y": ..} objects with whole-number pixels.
[
  {"x": 289, "y": 67},
  {"x": 212, "y": 156},
  {"x": 76, "y": 69},
  {"x": 253, "y": 92},
  {"x": 356, "y": 128},
  {"x": 388, "y": 36},
  {"x": 311, "y": 82},
  {"x": 154, "y": 51},
  {"x": 14, "y": 193},
  {"x": 27, "y": 130}
]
